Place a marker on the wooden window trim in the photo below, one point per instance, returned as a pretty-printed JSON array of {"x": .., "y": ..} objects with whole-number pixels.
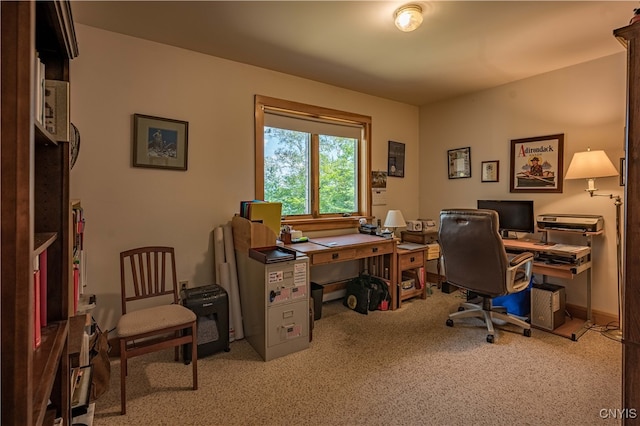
[{"x": 364, "y": 160}]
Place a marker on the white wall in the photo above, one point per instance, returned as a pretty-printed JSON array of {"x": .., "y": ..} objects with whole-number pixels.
[
  {"x": 116, "y": 76},
  {"x": 586, "y": 102}
]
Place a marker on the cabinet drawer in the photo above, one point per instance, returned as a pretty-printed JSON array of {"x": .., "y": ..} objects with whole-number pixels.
[
  {"x": 411, "y": 260},
  {"x": 374, "y": 250},
  {"x": 334, "y": 256}
]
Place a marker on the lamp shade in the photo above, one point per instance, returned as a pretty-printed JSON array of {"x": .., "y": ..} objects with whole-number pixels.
[
  {"x": 590, "y": 164},
  {"x": 408, "y": 18},
  {"x": 394, "y": 219}
]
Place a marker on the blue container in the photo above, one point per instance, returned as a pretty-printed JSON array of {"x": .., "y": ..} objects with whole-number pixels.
[{"x": 517, "y": 303}]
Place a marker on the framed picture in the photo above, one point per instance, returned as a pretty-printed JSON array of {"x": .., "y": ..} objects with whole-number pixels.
[
  {"x": 622, "y": 171},
  {"x": 396, "y": 159},
  {"x": 56, "y": 109},
  {"x": 160, "y": 143},
  {"x": 536, "y": 164},
  {"x": 459, "y": 163},
  {"x": 490, "y": 171}
]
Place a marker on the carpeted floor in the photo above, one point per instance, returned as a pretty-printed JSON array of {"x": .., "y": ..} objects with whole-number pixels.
[{"x": 401, "y": 367}]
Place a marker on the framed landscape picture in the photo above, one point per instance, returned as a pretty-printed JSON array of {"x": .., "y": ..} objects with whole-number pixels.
[
  {"x": 536, "y": 164},
  {"x": 160, "y": 143}
]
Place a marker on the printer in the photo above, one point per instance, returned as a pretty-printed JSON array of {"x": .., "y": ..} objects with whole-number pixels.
[{"x": 575, "y": 222}]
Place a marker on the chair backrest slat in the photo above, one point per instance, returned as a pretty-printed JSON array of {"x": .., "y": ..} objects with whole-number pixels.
[{"x": 152, "y": 273}]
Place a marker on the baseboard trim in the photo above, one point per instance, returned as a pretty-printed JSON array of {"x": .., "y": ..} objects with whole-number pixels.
[{"x": 597, "y": 317}]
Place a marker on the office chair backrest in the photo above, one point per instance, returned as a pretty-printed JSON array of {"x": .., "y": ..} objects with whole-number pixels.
[
  {"x": 473, "y": 251},
  {"x": 147, "y": 272}
]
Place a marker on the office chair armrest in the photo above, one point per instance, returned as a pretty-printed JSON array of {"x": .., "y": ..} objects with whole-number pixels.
[
  {"x": 519, "y": 272},
  {"x": 520, "y": 258}
]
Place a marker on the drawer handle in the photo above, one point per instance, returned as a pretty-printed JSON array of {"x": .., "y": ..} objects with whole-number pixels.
[
  {"x": 412, "y": 259},
  {"x": 335, "y": 255},
  {"x": 375, "y": 249}
]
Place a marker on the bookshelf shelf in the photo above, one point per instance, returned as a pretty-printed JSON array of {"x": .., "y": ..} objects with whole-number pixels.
[
  {"x": 43, "y": 240},
  {"x": 45, "y": 365}
]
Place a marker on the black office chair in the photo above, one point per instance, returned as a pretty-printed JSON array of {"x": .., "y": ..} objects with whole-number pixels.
[{"x": 475, "y": 259}]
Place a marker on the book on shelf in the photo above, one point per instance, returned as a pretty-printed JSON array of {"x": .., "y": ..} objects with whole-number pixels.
[
  {"x": 37, "y": 336},
  {"x": 43, "y": 287},
  {"x": 81, "y": 389}
]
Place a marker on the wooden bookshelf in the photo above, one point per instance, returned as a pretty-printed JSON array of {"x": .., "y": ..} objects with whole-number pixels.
[{"x": 34, "y": 201}]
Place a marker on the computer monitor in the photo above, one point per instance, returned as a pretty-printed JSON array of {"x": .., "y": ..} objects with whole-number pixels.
[{"x": 514, "y": 215}]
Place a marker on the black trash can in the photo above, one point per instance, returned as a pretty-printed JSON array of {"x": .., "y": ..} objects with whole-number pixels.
[{"x": 316, "y": 295}]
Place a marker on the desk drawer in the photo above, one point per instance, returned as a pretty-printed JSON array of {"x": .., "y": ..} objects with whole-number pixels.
[
  {"x": 410, "y": 260},
  {"x": 333, "y": 256},
  {"x": 375, "y": 250}
]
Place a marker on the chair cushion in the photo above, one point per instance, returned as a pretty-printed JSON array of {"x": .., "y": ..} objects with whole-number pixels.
[{"x": 150, "y": 319}]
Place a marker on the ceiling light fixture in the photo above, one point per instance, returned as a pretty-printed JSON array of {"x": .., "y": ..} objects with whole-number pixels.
[{"x": 408, "y": 17}]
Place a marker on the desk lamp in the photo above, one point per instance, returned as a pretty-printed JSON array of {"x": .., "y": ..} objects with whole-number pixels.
[
  {"x": 590, "y": 165},
  {"x": 394, "y": 220}
]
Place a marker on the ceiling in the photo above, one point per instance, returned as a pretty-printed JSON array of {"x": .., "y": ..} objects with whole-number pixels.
[{"x": 461, "y": 47}]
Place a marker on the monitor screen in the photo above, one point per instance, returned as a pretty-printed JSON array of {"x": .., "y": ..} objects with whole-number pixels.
[{"x": 514, "y": 215}]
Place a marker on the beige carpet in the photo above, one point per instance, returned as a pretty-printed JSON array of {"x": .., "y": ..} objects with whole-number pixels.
[{"x": 401, "y": 367}]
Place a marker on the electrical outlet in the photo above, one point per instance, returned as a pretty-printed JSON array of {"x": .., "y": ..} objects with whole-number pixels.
[{"x": 183, "y": 284}]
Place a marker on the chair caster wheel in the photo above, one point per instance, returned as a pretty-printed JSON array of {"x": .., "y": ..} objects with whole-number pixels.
[
  {"x": 460, "y": 308},
  {"x": 449, "y": 322},
  {"x": 527, "y": 332},
  {"x": 227, "y": 349},
  {"x": 490, "y": 338}
]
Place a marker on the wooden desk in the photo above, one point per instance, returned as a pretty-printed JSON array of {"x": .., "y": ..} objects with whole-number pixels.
[
  {"x": 342, "y": 248},
  {"x": 574, "y": 328}
]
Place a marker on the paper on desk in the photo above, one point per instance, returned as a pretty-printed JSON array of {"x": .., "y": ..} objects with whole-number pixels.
[
  {"x": 566, "y": 248},
  {"x": 411, "y": 246}
]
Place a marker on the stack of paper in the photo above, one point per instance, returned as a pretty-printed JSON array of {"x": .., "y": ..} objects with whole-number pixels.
[{"x": 433, "y": 250}]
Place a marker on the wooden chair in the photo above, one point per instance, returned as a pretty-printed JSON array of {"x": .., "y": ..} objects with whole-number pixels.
[{"x": 150, "y": 272}]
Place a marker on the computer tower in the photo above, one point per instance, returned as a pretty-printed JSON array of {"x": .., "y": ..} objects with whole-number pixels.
[
  {"x": 210, "y": 303},
  {"x": 547, "y": 306}
]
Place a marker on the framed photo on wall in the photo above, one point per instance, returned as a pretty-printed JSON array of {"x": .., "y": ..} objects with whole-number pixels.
[
  {"x": 490, "y": 171},
  {"x": 160, "y": 143},
  {"x": 459, "y": 163},
  {"x": 396, "y": 159},
  {"x": 536, "y": 164}
]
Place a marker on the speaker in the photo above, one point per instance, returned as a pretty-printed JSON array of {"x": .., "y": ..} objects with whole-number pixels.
[{"x": 547, "y": 306}]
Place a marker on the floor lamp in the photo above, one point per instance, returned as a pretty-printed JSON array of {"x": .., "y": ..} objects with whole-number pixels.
[{"x": 590, "y": 165}]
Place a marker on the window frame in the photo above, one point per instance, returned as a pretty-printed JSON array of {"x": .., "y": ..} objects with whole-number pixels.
[{"x": 315, "y": 221}]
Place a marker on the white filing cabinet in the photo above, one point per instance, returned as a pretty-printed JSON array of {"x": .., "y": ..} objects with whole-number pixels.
[{"x": 275, "y": 306}]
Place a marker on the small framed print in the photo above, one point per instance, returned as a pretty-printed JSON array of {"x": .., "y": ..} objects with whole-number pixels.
[
  {"x": 159, "y": 143},
  {"x": 622, "y": 171},
  {"x": 396, "y": 159},
  {"x": 459, "y": 163},
  {"x": 56, "y": 109},
  {"x": 490, "y": 171}
]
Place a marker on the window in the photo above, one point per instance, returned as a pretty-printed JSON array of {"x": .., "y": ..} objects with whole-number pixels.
[{"x": 313, "y": 160}]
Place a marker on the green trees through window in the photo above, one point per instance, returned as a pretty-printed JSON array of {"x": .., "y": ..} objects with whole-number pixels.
[
  {"x": 288, "y": 168},
  {"x": 314, "y": 160}
]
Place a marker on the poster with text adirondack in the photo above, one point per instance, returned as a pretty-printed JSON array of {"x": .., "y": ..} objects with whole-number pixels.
[{"x": 536, "y": 164}]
